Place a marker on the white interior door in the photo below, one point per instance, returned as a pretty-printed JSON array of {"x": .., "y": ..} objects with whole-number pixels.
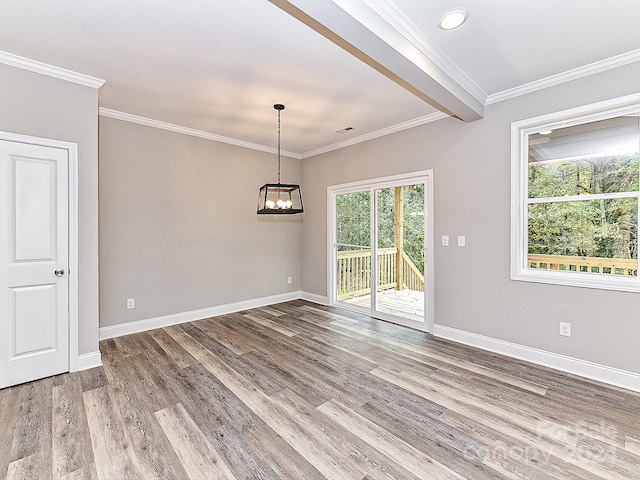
[{"x": 34, "y": 253}]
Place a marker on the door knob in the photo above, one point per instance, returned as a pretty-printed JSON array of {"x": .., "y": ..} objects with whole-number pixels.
[{"x": 59, "y": 272}]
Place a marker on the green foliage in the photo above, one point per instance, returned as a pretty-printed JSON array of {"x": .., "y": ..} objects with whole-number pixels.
[
  {"x": 353, "y": 220},
  {"x": 413, "y": 221},
  {"x": 592, "y": 228}
]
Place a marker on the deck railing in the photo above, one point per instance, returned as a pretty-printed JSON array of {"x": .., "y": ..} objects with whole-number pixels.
[
  {"x": 354, "y": 272},
  {"x": 612, "y": 266}
]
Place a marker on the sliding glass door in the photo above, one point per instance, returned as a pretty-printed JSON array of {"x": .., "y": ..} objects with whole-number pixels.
[{"x": 381, "y": 246}]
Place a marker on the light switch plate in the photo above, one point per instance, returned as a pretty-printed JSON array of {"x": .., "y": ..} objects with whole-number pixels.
[{"x": 461, "y": 240}]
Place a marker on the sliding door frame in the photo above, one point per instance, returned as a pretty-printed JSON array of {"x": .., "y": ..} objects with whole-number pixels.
[{"x": 421, "y": 177}]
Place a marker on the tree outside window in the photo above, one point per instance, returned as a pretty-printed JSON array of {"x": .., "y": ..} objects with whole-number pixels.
[{"x": 575, "y": 198}]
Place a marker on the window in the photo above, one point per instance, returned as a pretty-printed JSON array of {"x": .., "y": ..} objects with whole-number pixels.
[{"x": 575, "y": 189}]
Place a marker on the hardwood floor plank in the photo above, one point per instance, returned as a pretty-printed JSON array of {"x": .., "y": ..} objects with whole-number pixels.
[
  {"x": 271, "y": 311},
  {"x": 36, "y": 466},
  {"x": 93, "y": 378},
  {"x": 266, "y": 383},
  {"x": 270, "y": 324},
  {"x": 253, "y": 334},
  {"x": 632, "y": 445},
  {"x": 459, "y": 404},
  {"x": 146, "y": 383},
  {"x": 285, "y": 461},
  {"x": 339, "y": 355},
  {"x": 347, "y": 384},
  {"x": 245, "y": 461},
  {"x": 327, "y": 313},
  {"x": 336, "y": 435},
  {"x": 217, "y": 331},
  {"x": 196, "y": 455},
  {"x": 136, "y": 398},
  {"x": 419, "y": 347},
  {"x": 312, "y": 389},
  {"x": 85, "y": 473},
  {"x": 213, "y": 405},
  {"x": 322, "y": 354},
  {"x": 615, "y": 461},
  {"x": 448, "y": 446},
  {"x": 178, "y": 354},
  {"x": 399, "y": 451},
  {"x": 138, "y": 374},
  {"x": 10, "y": 406},
  {"x": 114, "y": 457},
  {"x": 625, "y": 418},
  {"x": 71, "y": 446},
  {"x": 32, "y": 431},
  {"x": 399, "y": 345},
  {"x": 131, "y": 345}
]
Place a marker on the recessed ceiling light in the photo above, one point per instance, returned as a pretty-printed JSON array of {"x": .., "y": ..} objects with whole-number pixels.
[{"x": 453, "y": 19}]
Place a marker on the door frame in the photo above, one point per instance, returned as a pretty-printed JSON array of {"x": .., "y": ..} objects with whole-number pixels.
[
  {"x": 423, "y": 176},
  {"x": 72, "y": 153}
]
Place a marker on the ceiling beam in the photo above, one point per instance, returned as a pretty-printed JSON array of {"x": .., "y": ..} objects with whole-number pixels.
[{"x": 377, "y": 43}]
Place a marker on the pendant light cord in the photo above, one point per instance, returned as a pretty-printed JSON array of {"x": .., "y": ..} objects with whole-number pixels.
[{"x": 279, "y": 110}]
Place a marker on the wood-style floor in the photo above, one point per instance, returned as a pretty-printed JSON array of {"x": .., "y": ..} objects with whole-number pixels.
[{"x": 300, "y": 391}]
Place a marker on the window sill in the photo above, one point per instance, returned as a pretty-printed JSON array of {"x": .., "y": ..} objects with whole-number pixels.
[{"x": 579, "y": 279}]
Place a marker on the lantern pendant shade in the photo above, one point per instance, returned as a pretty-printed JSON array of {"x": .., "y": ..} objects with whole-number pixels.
[{"x": 279, "y": 198}]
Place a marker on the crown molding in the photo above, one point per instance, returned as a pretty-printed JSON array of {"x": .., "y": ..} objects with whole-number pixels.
[
  {"x": 390, "y": 13},
  {"x": 50, "y": 70},
  {"x": 433, "y": 117},
  {"x": 569, "y": 75},
  {"x": 149, "y": 122}
]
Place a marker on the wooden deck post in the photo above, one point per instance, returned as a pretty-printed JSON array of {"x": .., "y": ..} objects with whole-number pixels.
[{"x": 398, "y": 225}]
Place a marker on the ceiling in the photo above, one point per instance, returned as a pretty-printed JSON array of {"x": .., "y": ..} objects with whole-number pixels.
[{"x": 218, "y": 66}]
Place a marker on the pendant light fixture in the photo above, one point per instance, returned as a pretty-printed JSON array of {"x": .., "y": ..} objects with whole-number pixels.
[{"x": 279, "y": 198}]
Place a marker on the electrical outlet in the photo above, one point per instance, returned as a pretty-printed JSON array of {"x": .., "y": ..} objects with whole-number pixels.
[
  {"x": 131, "y": 303},
  {"x": 565, "y": 329},
  {"x": 445, "y": 240},
  {"x": 289, "y": 280}
]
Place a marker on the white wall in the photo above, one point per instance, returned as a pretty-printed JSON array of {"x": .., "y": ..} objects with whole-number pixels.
[
  {"x": 178, "y": 224},
  {"x": 41, "y": 106},
  {"x": 473, "y": 291}
]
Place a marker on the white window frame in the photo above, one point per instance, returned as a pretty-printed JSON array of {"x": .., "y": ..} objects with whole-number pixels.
[{"x": 520, "y": 132}]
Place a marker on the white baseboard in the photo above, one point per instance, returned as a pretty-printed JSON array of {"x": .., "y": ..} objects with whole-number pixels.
[
  {"x": 312, "y": 297},
  {"x": 89, "y": 360},
  {"x": 594, "y": 371},
  {"x": 192, "y": 315}
]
